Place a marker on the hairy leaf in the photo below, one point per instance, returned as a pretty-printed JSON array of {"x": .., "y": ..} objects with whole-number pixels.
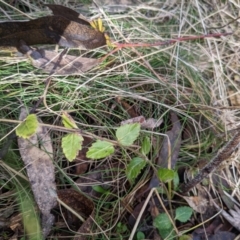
[
  {"x": 128, "y": 133},
  {"x": 162, "y": 221},
  {"x": 183, "y": 214},
  {"x": 134, "y": 168},
  {"x": 71, "y": 144},
  {"x": 146, "y": 145},
  {"x": 53, "y": 62},
  {"x": 100, "y": 149}
]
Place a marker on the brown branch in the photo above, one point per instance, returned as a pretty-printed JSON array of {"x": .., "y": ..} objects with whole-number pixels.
[{"x": 224, "y": 154}]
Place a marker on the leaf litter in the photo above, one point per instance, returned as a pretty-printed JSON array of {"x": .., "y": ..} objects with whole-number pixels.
[
  {"x": 37, "y": 155},
  {"x": 50, "y": 62}
]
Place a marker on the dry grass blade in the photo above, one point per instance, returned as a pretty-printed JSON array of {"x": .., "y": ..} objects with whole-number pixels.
[{"x": 233, "y": 217}]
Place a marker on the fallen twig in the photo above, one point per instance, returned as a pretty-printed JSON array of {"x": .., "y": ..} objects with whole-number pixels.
[{"x": 224, "y": 154}]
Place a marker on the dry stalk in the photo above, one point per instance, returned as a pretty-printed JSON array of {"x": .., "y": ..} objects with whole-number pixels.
[{"x": 224, "y": 154}]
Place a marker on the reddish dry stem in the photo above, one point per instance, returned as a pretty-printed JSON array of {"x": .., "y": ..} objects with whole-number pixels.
[{"x": 171, "y": 41}]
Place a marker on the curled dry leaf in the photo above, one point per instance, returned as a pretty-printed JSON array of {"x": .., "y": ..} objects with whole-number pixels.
[
  {"x": 52, "y": 62},
  {"x": 52, "y": 30},
  {"x": 37, "y": 155},
  {"x": 171, "y": 145},
  {"x": 149, "y": 123},
  {"x": 197, "y": 203}
]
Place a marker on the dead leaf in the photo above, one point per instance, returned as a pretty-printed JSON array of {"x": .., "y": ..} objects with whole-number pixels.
[
  {"x": 149, "y": 123},
  {"x": 51, "y": 30},
  {"x": 168, "y": 155},
  {"x": 51, "y": 62},
  {"x": 82, "y": 162},
  {"x": 68, "y": 13},
  {"x": 37, "y": 155},
  {"x": 85, "y": 229},
  {"x": 82, "y": 205},
  {"x": 222, "y": 184},
  {"x": 197, "y": 203},
  {"x": 156, "y": 235},
  {"x": 102, "y": 175}
]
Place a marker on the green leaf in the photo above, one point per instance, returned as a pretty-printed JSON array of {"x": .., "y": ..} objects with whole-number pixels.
[
  {"x": 68, "y": 121},
  {"x": 183, "y": 214},
  {"x": 28, "y": 127},
  {"x": 185, "y": 237},
  {"x": 121, "y": 228},
  {"x": 140, "y": 236},
  {"x": 175, "y": 180},
  {"x": 100, "y": 189},
  {"x": 146, "y": 146},
  {"x": 128, "y": 133},
  {"x": 134, "y": 168},
  {"x": 71, "y": 144},
  {"x": 168, "y": 234},
  {"x": 166, "y": 175},
  {"x": 162, "y": 222},
  {"x": 29, "y": 216},
  {"x": 100, "y": 149}
]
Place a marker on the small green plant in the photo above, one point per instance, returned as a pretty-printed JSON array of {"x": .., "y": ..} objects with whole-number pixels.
[
  {"x": 125, "y": 135},
  {"x": 164, "y": 224},
  {"x": 140, "y": 236}
]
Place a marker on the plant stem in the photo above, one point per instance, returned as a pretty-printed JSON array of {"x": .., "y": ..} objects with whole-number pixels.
[{"x": 119, "y": 46}]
